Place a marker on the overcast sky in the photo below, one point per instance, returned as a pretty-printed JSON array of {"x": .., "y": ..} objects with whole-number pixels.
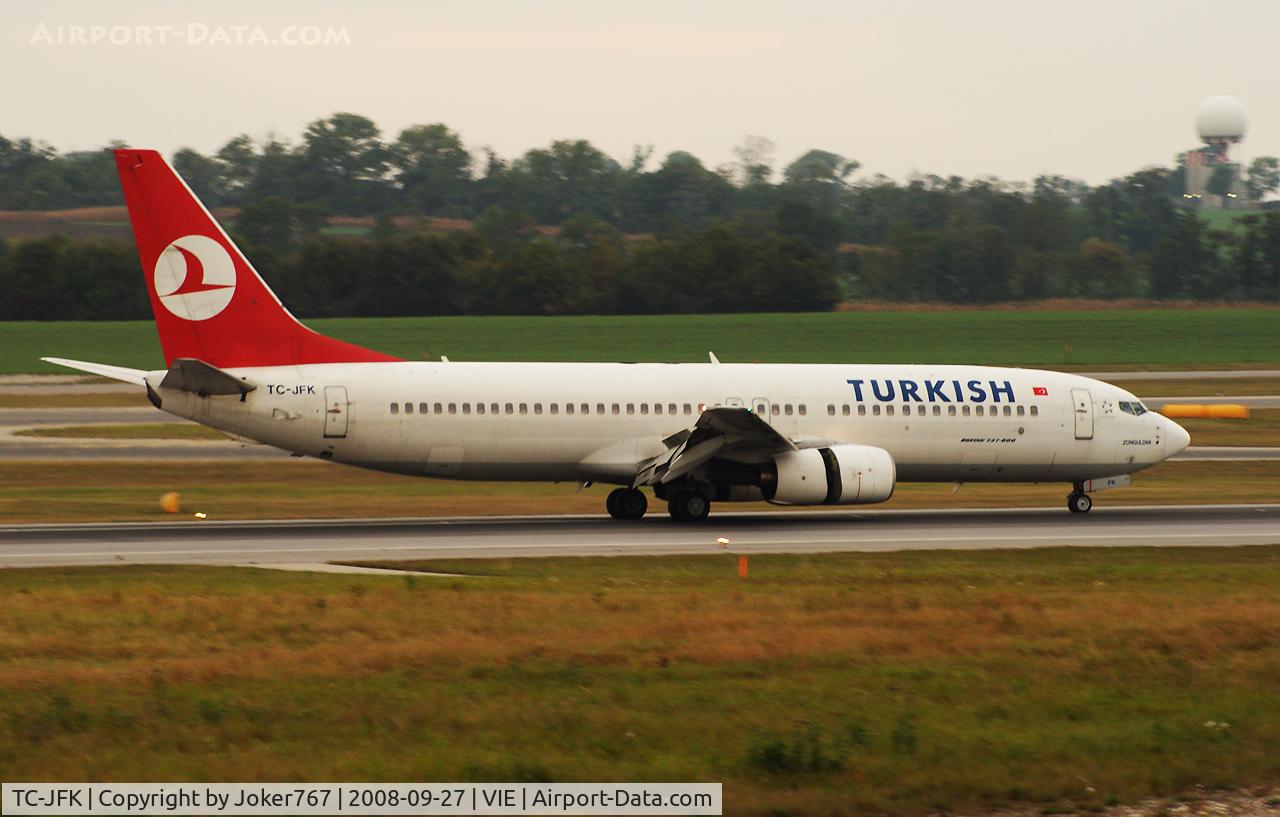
[{"x": 1012, "y": 88}]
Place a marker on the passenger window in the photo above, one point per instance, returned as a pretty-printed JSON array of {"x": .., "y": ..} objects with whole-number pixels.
[
  {"x": 657, "y": 408},
  {"x": 422, "y": 408},
  {"x": 644, "y": 408},
  {"x": 671, "y": 408},
  {"x": 1022, "y": 410},
  {"x": 1008, "y": 410},
  {"x": 787, "y": 410},
  {"x": 466, "y": 408},
  {"x": 888, "y": 410},
  {"x": 777, "y": 409},
  {"x": 509, "y": 409},
  {"x": 631, "y": 408},
  {"x": 1035, "y": 411},
  {"x": 937, "y": 411},
  {"x": 408, "y": 408},
  {"x": 845, "y": 409},
  {"x": 453, "y": 408},
  {"x": 555, "y": 408},
  {"x": 537, "y": 408},
  {"x": 876, "y": 409},
  {"x": 493, "y": 408},
  {"x": 616, "y": 409},
  {"x": 600, "y": 408},
  {"x": 586, "y": 408},
  {"x": 395, "y": 408},
  {"x": 951, "y": 411},
  {"x": 980, "y": 411},
  {"x": 862, "y": 411},
  {"x": 439, "y": 409},
  {"x": 524, "y": 408},
  {"x": 803, "y": 409},
  {"x": 568, "y": 408},
  {"x": 688, "y": 409},
  {"x": 920, "y": 410},
  {"x": 479, "y": 408},
  {"x": 966, "y": 411}
]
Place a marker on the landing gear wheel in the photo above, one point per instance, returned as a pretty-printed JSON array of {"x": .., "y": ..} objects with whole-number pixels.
[
  {"x": 689, "y": 506},
  {"x": 626, "y": 503},
  {"x": 1079, "y": 503}
]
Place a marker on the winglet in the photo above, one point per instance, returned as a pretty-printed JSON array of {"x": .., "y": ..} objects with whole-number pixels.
[
  {"x": 137, "y": 376},
  {"x": 713, "y": 357}
]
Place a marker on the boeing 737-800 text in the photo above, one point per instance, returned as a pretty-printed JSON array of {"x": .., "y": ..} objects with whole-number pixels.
[{"x": 693, "y": 433}]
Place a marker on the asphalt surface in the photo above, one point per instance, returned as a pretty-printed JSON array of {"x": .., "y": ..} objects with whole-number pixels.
[
  {"x": 302, "y": 542},
  {"x": 1207, "y": 374}
]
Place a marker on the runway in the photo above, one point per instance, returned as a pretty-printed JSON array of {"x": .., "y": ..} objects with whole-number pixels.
[{"x": 319, "y": 541}]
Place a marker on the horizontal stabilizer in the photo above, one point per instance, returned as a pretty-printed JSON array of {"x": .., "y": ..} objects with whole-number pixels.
[
  {"x": 198, "y": 377},
  {"x": 137, "y": 376}
]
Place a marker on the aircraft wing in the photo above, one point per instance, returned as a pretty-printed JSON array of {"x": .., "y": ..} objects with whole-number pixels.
[{"x": 720, "y": 431}]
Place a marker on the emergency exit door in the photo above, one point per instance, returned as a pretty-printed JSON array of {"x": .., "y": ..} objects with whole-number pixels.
[
  {"x": 1084, "y": 413},
  {"x": 335, "y": 411}
]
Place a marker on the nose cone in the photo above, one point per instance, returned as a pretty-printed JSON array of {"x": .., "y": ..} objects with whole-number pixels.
[{"x": 1176, "y": 438}]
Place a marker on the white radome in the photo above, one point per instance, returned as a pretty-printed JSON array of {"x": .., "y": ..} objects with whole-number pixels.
[{"x": 1219, "y": 118}]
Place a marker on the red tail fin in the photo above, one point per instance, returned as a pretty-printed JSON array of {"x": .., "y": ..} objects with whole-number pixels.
[{"x": 209, "y": 301}]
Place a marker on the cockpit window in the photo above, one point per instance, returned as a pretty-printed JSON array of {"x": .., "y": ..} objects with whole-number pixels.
[{"x": 1135, "y": 408}]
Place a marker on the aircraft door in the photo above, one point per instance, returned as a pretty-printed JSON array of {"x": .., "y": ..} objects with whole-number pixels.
[
  {"x": 1084, "y": 413},
  {"x": 335, "y": 411},
  {"x": 760, "y": 407}
]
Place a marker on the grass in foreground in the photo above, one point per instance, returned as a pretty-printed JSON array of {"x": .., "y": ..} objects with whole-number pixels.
[
  {"x": 903, "y": 683},
  {"x": 89, "y": 491},
  {"x": 1158, "y": 337}
]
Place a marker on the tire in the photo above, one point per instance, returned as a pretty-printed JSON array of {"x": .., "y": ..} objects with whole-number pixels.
[
  {"x": 689, "y": 506},
  {"x": 611, "y": 503},
  {"x": 631, "y": 503},
  {"x": 673, "y": 508},
  {"x": 1079, "y": 503}
]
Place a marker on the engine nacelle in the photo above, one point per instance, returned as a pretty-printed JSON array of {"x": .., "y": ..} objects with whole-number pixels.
[{"x": 839, "y": 475}]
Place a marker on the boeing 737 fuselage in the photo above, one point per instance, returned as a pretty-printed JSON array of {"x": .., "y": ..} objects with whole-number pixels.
[{"x": 693, "y": 433}]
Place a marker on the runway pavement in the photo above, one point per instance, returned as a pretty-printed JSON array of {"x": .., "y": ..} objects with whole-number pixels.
[
  {"x": 302, "y": 542},
  {"x": 1189, "y": 374}
]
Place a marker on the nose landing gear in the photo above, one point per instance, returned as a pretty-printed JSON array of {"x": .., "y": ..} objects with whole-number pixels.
[{"x": 1078, "y": 501}]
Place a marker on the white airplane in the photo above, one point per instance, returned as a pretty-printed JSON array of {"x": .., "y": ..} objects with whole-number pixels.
[{"x": 694, "y": 434}]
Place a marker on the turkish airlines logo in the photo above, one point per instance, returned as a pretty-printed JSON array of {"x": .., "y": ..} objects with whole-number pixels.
[{"x": 195, "y": 277}]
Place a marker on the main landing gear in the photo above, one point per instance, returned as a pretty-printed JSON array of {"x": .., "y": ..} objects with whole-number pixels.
[
  {"x": 689, "y": 506},
  {"x": 685, "y": 505},
  {"x": 1078, "y": 501},
  {"x": 626, "y": 503}
]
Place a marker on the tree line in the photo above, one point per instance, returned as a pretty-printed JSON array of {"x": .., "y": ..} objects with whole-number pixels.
[{"x": 568, "y": 229}]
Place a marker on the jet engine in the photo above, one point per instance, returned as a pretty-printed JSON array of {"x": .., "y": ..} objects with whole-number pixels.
[{"x": 839, "y": 475}]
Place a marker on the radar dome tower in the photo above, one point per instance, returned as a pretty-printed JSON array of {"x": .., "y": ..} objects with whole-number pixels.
[{"x": 1211, "y": 177}]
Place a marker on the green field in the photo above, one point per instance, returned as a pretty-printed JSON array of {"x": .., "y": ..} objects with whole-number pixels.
[
  {"x": 908, "y": 683},
  {"x": 999, "y": 337},
  {"x": 1228, "y": 220}
]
